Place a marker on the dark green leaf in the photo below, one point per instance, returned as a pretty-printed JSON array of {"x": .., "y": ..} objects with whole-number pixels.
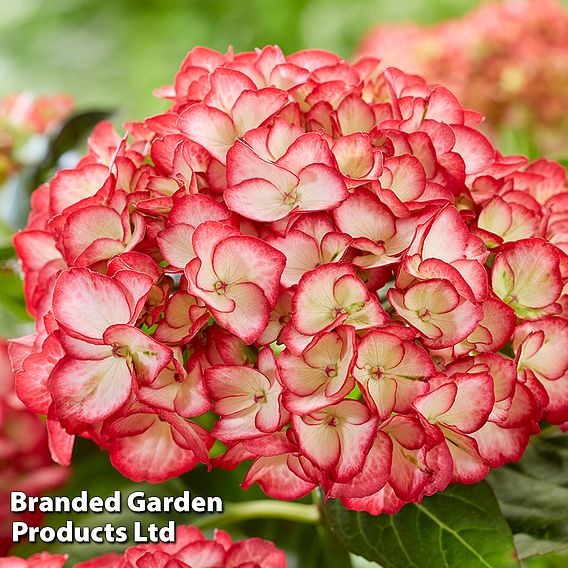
[
  {"x": 533, "y": 495},
  {"x": 71, "y": 135},
  {"x": 461, "y": 527}
]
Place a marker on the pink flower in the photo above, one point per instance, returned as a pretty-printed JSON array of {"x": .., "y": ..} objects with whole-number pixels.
[
  {"x": 512, "y": 216},
  {"x": 502, "y": 59},
  {"x": 26, "y": 464},
  {"x": 24, "y": 117},
  {"x": 279, "y": 467},
  {"x": 526, "y": 275},
  {"x": 391, "y": 372},
  {"x": 376, "y": 231},
  {"x": 187, "y": 213},
  {"x": 237, "y": 277},
  {"x": 330, "y": 259},
  {"x": 310, "y": 242},
  {"x": 190, "y": 550},
  {"x": 302, "y": 180},
  {"x": 40, "y": 560},
  {"x": 248, "y": 401},
  {"x": 232, "y": 107},
  {"x": 332, "y": 295},
  {"x": 504, "y": 436},
  {"x": 322, "y": 375},
  {"x": 460, "y": 406},
  {"x": 104, "y": 352},
  {"x": 542, "y": 357},
  {"x": 133, "y": 436},
  {"x": 336, "y": 438}
]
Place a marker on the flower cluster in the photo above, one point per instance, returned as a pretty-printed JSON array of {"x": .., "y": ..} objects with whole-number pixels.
[
  {"x": 328, "y": 258},
  {"x": 25, "y": 461},
  {"x": 22, "y": 117},
  {"x": 191, "y": 550},
  {"x": 505, "y": 59}
]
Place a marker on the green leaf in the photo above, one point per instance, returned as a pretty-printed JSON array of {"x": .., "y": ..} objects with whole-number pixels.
[
  {"x": 462, "y": 526},
  {"x": 72, "y": 134},
  {"x": 533, "y": 495},
  {"x": 14, "y": 319},
  {"x": 6, "y": 247},
  {"x": 528, "y": 547}
]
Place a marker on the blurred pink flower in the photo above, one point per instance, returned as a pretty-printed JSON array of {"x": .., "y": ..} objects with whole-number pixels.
[
  {"x": 23, "y": 116},
  {"x": 505, "y": 59},
  {"x": 25, "y": 461}
]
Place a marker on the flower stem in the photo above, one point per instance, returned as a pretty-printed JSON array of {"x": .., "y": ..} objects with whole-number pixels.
[{"x": 264, "y": 509}]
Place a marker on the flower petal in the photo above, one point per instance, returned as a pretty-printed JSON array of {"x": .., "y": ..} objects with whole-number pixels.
[{"x": 90, "y": 390}]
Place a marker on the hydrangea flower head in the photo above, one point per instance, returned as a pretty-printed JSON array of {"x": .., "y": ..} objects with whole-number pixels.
[{"x": 328, "y": 258}]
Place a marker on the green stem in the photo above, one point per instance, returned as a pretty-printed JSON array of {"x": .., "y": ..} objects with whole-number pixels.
[{"x": 264, "y": 509}]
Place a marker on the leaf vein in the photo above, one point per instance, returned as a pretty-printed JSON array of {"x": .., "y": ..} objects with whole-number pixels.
[
  {"x": 454, "y": 533},
  {"x": 398, "y": 539}
]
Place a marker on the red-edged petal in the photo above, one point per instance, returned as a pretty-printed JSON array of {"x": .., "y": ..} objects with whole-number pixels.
[
  {"x": 252, "y": 108},
  {"x": 210, "y": 127},
  {"x": 86, "y": 303},
  {"x": 151, "y": 456},
  {"x": 71, "y": 186},
  {"x": 320, "y": 188},
  {"x": 90, "y": 390},
  {"x": 148, "y": 356}
]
